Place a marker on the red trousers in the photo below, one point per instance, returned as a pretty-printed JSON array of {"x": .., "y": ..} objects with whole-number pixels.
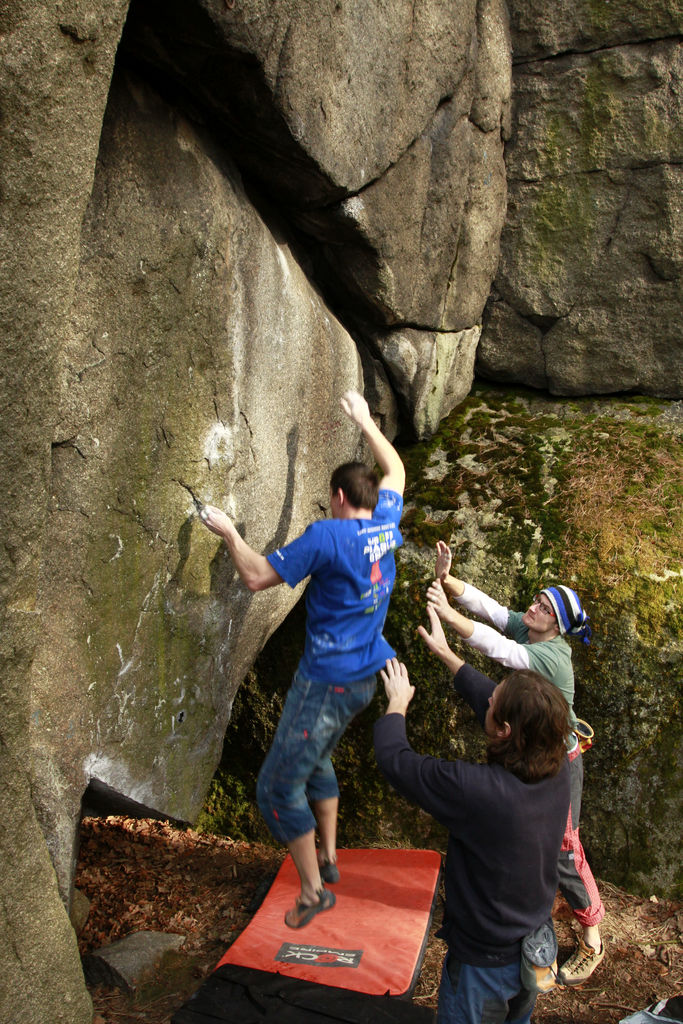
[{"x": 577, "y": 884}]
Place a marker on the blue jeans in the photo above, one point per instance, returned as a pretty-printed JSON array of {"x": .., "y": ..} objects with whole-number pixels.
[
  {"x": 298, "y": 767},
  {"x": 482, "y": 995}
]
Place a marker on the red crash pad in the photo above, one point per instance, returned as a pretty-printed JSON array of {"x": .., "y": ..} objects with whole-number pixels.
[{"x": 373, "y": 939}]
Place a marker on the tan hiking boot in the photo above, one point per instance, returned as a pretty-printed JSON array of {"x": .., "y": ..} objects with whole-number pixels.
[{"x": 581, "y": 964}]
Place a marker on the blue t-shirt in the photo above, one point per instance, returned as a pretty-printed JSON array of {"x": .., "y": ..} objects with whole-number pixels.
[{"x": 352, "y": 570}]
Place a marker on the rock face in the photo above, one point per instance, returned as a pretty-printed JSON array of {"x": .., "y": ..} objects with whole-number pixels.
[
  {"x": 43, "y": 980},
  {"x": 588, "y": 292},
  {"x": 528, "y": 492},
  {"x": 50, "y": 58},
  {"x": 377, "y": 128},
  {"x": 183, "y": 230},
  {"x": 215, "y": 218},
  {"x": 531, "y": 492},
  {"x": 200, "y": 360},
  {"x": 425, "y": 370}
]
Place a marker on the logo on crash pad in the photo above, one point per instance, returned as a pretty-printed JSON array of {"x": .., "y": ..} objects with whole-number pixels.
[{"x": 318, "y": 956}]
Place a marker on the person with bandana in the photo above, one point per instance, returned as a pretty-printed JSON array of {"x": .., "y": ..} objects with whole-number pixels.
[{"x": 537, "y": 639}]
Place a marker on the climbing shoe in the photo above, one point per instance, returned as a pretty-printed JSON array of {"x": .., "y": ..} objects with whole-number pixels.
[
  {"x": 581, "y": 964},
  {"x": 329, "y": 872},
  {"x": 302, "y": 913}
]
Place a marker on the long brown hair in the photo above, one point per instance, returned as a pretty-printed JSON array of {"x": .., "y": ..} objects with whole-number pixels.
[{"x": 538, "y": 716}]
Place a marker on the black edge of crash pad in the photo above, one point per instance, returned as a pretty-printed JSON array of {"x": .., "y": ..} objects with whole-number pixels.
[
  {"x": 425, "y": 940},
  {"x": 242, "y": 995}
]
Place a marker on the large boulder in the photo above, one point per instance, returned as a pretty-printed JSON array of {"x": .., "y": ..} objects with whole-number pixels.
[
  {"x": 200, "y": 362},
  {"x": 288, "y": 200},
  {"x": 335, "y": 92},
  {"x": 418, "y": 245},
  {"x": 543, "y": 30},
  {"x": 587, "y": 296},
  {"x": 427, "y": 369},
  {"x": 41, "y": 969},
  {"x": 163, "y": 340},
  {"x": 379, "y": 132},
  {"x": 528, "y": 491},
  {"x": 55, "y": 67}
]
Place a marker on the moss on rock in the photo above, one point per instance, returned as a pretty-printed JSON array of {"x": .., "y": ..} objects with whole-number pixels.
[{"x": 529, "y": 491}]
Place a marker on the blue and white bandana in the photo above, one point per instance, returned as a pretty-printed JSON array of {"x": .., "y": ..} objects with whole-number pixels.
[{"x": 571, "y": 618}]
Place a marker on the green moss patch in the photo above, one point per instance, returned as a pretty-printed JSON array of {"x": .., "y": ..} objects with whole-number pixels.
[{"x": 528, "y": 491}]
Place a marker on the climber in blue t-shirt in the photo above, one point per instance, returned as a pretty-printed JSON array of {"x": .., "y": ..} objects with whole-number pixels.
[
  {"x": 350, "y": 561},
  {"x": 352, "y": 570}
]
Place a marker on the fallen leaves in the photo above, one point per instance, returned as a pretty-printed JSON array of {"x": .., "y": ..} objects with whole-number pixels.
[{"x": 146, "y": 874}]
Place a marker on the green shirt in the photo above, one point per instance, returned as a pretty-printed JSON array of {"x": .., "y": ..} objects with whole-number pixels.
[{"x": 550, "y": 658}]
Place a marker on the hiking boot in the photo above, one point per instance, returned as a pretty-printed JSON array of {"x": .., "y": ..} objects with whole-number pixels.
[{"x": 581, "y": 964}]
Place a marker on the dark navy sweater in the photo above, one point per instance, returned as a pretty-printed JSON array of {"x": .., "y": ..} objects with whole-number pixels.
[{"x": 504, "y": 835}]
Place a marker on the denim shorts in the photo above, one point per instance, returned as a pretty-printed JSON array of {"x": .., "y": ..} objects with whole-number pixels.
[{"x": 298, "y": 769}]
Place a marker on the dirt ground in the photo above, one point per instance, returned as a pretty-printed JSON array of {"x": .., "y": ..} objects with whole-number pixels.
[{"x": 146, "y": 874}]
